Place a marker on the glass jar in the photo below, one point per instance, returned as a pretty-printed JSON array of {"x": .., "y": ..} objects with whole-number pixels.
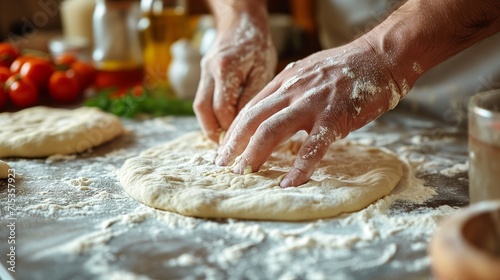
[
  {"x": 117, "y": 53},
  {"x": 484, "y": 146},
  {"x": 163, "y": 22}
]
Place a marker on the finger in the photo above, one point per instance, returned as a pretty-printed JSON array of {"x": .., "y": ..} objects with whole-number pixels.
[
  {"x": 203, "y": 109},
  {"x": 272, "y": 132},
  {"x": 247, "y": 124},
  {"x": 272, "y": 98},
  {"x": 309, "y": 156},
  {"x": 265, "y": 93},
  {"x": 255, "y": 82},
  {"x": 226, "y": 94}
]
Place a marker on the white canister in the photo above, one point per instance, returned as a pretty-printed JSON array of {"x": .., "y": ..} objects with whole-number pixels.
[
  {"x": 76, "y": 18},
  {"x": 184, "y": 71}
]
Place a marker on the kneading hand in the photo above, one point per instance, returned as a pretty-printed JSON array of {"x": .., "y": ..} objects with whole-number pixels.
[
  {"x": 239, "y": 64},
  {"x": 327, "y": 94}
]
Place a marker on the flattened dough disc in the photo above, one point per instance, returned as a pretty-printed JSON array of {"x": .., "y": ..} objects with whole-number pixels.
[
  {"x": 43, "y": 131},
  {"x": 4, "y": 170},
  {"x": 180, "y": 176}
]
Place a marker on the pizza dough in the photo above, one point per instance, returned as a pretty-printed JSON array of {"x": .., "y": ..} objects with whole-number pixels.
[
  {"x": 180, "y": 176},
  {"x": 43, "y": 131},
  {"x": 4, "y": 170}
]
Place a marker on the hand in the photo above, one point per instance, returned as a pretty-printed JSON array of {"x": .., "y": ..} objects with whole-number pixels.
[
  {"x": 327, "y": 94},
  {"x": 239, "y": 64}
]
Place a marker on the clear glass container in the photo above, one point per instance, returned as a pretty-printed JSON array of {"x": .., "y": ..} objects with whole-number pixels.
[
  {"x": 117, "y": 53},
  {"x": 484, "y": 146},
  {"x": 163, "y": 22}
]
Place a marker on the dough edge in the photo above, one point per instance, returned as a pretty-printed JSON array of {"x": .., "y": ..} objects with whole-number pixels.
[
  {"x": 92, "y": 128},
  {"x": 4, "y": 170},
  {"x": 135, "y": 180}
]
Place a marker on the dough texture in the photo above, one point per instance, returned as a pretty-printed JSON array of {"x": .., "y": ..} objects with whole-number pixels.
[
  {"x": 180, "y": 176},
  {"x": 43, "y": 131},
  {"x": 4, "y": 170}
]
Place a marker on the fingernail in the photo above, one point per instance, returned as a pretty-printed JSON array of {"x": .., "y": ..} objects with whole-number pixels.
[
  {"x": 219, "y": 160},
  {"x": 285, "y": 183},
  {"x": 241, "y": 168},
  {"x": 237, "y": 169}
]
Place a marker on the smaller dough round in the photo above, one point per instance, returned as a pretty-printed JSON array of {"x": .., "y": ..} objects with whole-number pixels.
[
  {"x": 43, "y": 131},
  {"x": 4, "y": 170},
  {"x": 180, "y": 176}
]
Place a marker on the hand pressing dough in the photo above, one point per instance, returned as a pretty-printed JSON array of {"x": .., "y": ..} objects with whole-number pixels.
[
  {"x": 180, "y": 177},
  {"x": 4, "y": 170},
  {"x": 43, "y": 131}
]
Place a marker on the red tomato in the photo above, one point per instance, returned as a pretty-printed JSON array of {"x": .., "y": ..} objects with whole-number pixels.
[
  {"x": 4, "y": 74},
  {"x": 22, "y": 91},
  {"x": 137, "y": 91},
  {"x": 64, "y": 86},
  {"x": 118, "y": 94},
  {"x": 7, "y": 54},
  {"x": 65, "y": 59},
  {"x": 16, "y": 65},
  {"x": 3, "y": 95},
  {"x": 37, "y": 71},
  {"x": 84, "y": 72}
]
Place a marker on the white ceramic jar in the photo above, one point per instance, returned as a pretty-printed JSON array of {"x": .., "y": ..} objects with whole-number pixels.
[{"x": 184, "y": 71}]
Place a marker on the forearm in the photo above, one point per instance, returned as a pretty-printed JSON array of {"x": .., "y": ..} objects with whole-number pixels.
[
  {"x": 424, "y": 33},
  {"x": 226, "y": 12}
]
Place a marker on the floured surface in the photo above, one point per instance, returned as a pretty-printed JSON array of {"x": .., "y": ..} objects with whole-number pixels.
[
  {"x": 180, "y": 177},
  {"x": 43, "y": 131},
  {"x": 75, "y": 220}
]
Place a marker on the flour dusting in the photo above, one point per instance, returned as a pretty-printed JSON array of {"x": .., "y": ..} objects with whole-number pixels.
[{"x": 92, "y": 222}]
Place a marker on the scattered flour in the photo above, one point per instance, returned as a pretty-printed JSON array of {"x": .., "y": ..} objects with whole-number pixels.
[
  {"x": 455, "y": 169},
  {"x": 59, "y": 157},
  {"x": 115, "y": 226},
  {"x": 81, "y": 183}
]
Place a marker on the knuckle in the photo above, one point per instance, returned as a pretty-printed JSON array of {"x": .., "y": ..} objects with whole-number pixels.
[
  {"x": 266, "y": 131},
  {"x": 221, "y": 105},
  {"x": 200, "y": 105},
  {"x": 205, "y": 62}
]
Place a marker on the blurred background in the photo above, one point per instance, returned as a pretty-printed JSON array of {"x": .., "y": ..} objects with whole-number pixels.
[
  {"x": 32, "y": 24},
  {"x": 154, "y": 44},
  {"x": 159, "y": 43}
]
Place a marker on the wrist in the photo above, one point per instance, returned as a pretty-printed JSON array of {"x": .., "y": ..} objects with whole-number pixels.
[
  {"x": 229, "y": 12},
  {"x": 395, "y": 43},
  {"x": 423, "y": 33}
]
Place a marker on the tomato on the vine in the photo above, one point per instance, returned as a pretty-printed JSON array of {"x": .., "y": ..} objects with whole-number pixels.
[
  {"x": 7, "y": 54},
  {"x": 137, "y": 91},
  {"x": 4, "y": 74},
  {"x": 37, "y": 71},
  {"x": 64, "y": 86},
  {"x": 22, "y": 91},
  {"x": 3, "y": 94},
  {"x": 16, "y": 65},
  {"x": 84, "y": 72},
  {"x": 65, "y": 59}
]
